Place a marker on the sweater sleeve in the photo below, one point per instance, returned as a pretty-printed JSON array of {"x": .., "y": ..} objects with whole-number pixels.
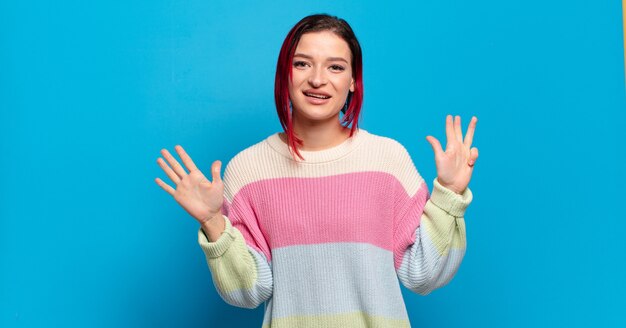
[
  {"x": 429, "y": 231},
  {"x": 241, "y": 272}
]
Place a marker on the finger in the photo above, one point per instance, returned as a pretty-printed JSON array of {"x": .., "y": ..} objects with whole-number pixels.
[
  {"x": 165, "y": 186},
  {"x": 435, "y": 144},
  {"x": 215, "y": 170},
  {"x": 473, "y": 156},
  {"x": 174, "y": 163},
  {"x": 474, "y": 153},
  {"x": 449, "y": 130},
  {"x": 457, "y": 128},
  {"x": 175, "y": 178},
  {"x": 191, "y": 166},
  {"x": 469, "y": 136}
]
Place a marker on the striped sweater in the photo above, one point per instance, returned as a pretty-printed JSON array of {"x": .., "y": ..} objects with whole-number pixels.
[{"x": 324, "y": 242}]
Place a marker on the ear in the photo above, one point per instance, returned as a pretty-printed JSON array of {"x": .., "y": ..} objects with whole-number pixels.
[{"x": 352, "y": 85}]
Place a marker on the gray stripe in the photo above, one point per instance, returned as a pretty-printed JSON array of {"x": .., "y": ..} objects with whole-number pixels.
[
  {"x": 259, "y": 293},
  {"x": 423, "y": 270},
  {"x": 334, "y": 278}
]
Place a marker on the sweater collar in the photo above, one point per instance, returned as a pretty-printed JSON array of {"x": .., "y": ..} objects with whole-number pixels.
[{"x": 319, "y": 156}]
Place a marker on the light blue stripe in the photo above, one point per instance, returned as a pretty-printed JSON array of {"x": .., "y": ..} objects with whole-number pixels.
[
  {"x": 334, "y": 278},
  {"x": 423, "y": 270}
]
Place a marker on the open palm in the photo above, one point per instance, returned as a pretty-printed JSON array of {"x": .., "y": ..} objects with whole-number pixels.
[
  {"x": 456, "y": 164},
  {"x": 201, "y": 198}
]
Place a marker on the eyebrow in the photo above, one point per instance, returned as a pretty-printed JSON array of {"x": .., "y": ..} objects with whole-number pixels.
[{"x": 329, "y": 58}]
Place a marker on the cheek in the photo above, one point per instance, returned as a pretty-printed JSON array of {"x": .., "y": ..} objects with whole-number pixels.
[
  {"x": 295, "y": 82},
  {"x": 344, "y": 81}
]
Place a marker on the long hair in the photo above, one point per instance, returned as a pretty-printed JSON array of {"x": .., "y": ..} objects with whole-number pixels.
[{"x": 316, "y": 23}]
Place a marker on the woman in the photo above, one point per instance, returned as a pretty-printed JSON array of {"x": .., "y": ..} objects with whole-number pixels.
[{"x": 318, "y": 223}]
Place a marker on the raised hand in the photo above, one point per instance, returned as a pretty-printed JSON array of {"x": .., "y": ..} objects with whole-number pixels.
[
  {"x": 201, "y": 198},
  {"x": 456, "y": 164}
]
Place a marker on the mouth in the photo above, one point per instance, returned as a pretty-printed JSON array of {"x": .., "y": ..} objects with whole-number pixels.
[{"x": 318, "y": 95}]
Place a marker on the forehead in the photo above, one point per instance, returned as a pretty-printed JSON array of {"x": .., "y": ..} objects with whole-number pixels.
[{"x": 323, "y": 44}]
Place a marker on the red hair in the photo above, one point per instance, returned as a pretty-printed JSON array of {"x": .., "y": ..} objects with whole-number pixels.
[{"x": 316, "y": 23}]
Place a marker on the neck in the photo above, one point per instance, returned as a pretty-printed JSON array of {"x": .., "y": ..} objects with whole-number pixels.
[{"x": 319, "y": 135}]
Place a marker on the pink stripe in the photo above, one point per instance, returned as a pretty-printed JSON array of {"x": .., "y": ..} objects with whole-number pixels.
[
  {"x": 407, "y": 221},
  {"x": 353, "y": 207}
]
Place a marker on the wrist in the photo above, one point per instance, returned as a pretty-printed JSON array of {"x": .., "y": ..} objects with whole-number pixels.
[
  {"x": 214, "y": 227},
  {"x": 450, "y": 187},
  {"x": 448, "y": 200},
  {"x": 211, "y": 216}
]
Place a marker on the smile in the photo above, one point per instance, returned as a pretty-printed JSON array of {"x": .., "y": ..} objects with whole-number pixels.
[{"x": 314, "y": 95}]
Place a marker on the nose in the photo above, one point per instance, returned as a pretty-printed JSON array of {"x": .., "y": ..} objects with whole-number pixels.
[{"x": 317, "y": 77}]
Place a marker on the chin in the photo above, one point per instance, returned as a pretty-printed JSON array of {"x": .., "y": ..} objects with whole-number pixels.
[{"x": 317, "y": 113}]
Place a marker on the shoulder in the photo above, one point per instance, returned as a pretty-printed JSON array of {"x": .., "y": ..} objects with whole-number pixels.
[
  {"x": 388, "y": 147},
  {"x": 243, "y": 168},
  {"x": 394, "y": 158}
]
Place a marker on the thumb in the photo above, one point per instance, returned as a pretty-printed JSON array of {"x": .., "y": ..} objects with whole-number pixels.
[
  {"x": 435, "y": 144},
  {"x": 473, "y": 156},
  {"x": 215, "y": 171}
]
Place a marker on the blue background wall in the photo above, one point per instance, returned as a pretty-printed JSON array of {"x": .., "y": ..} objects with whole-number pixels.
[{"x": 91, "y": 91}]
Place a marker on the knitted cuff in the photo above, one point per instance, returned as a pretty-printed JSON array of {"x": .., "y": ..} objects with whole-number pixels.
[
  {"x": 449, "y": 201},
  {"x": 221, "y": 245}
]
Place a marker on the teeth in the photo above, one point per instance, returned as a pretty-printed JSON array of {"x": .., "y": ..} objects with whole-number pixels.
[{"x": 317, "y": 96}]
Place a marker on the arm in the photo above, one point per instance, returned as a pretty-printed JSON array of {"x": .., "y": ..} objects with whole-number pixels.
[
  {"x": 428, "y": 258},
  {"x": 236, "y": 255},
  {"x": 439, "y": 240},
  {"x": 241, "y": 275}
]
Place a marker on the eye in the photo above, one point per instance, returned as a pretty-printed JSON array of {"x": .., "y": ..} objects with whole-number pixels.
[
  {"x": 338, "y": 68},
  {"x": 299, "y": 64}
]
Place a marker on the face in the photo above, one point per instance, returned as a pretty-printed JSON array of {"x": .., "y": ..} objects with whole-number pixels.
[{"x": 322, "y": 76}]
